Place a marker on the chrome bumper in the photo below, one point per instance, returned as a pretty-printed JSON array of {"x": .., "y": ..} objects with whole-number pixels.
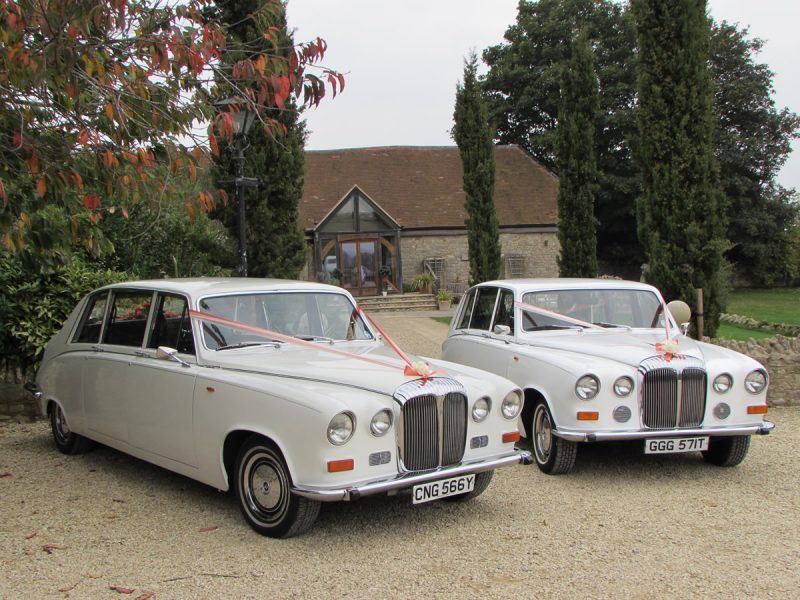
[
  {"x": 762, "y": 428},
  {"x": 408, "y": 480}
]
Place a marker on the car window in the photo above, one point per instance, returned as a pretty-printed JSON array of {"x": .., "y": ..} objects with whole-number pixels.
[
  {"x": 505, "y": 310},
  {"x": 468, "y": 303},
  {"x": 128, "y": 321},
  {"x": 299, "y": 314},
  {"x": 605, "y": 307},
  {"x": 171, "y": 324},
  {"x": 92, "y": 320},
  {"x": 483, "y": 308}
]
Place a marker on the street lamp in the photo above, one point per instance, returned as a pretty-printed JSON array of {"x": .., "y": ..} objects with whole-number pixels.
[{"x": 241, "y": 119}]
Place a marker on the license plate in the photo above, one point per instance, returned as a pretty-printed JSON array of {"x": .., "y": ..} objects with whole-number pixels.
[
  {"x": 425, "y": 492},
  {"x": 670, "y": 445}
]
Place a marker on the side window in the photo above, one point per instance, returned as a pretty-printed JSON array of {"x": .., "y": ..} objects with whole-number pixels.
[
  {"x": 484, "y": 308},
  {"x": 172, "y": 326},
  {"x": 468, "y": 301},
  {"x": 92, "y": 320},
  {"x": 505, "y": 309},
  {"x": 128, "y": 322}
]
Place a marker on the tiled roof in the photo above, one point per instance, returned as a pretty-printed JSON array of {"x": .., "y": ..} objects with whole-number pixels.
[{"x": 422, "y": 187}]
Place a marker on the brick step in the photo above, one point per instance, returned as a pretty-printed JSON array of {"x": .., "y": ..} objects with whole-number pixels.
[{"x": 397, "y": 302}]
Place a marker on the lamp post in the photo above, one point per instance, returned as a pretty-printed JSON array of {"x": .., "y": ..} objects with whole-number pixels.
[{"x": 242, "y": 118}]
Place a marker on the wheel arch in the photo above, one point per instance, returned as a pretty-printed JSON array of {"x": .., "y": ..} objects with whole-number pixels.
[
  {"x": 234, "y": 441},
  {"x": 532, "y": 397}
]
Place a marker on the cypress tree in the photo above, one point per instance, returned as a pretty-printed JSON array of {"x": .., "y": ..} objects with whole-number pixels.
[
  {"x": 680, "y": 213},
  {"x": 577, "y": 227},
  {"x": 275, "y": 242},
  {"x": 474, "y": 139}
]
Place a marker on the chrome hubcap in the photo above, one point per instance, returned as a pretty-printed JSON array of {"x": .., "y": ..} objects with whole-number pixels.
[
  {"x": 543, "y": 434},
  {"x": 266, "y": 486}
]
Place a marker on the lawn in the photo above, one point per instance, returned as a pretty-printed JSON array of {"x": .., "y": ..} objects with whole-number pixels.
[{"x": 780, "y": 305}]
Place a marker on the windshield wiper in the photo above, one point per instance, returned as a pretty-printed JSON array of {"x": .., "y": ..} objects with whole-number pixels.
[
  {"x": 612, "y": 325},
  {"x": 273, "y": 343},
  {"x": 315, "y": 338},
  {"x": 554, "y": 327}
]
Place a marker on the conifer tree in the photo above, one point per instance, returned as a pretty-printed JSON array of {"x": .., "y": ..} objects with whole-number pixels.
[
  {"x": 474, "y": 139},
  {"x": 577, "y": 227},
  {"x": 680, "y": 214},
  {"x": 275, "y": 242}
]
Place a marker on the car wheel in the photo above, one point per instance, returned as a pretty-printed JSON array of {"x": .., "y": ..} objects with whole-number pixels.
[
  {"x": 263, "y": 488},
  {"x": 66, "y": 440},
  {"x": 553, "y": 454},
  {"x": 482, "y": 481},
  {"x": 727, "y": 451}
]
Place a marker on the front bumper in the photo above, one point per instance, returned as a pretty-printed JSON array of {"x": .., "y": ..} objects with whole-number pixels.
[
  {"x": 762, "y": 428},
  {"x": 408, "y": 480}
]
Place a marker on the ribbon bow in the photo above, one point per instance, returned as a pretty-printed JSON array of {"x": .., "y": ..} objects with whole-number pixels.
[{"x": 668, "y": 348}]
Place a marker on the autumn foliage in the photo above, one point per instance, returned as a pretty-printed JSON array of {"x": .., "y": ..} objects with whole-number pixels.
[{"x": 94, "y": 94}]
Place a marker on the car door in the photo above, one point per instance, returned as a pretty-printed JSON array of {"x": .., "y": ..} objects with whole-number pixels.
[
  {"x": 160, "y": 399},
  {"x": 473, "y": 341},
  {"x": 107, "y": 379}
]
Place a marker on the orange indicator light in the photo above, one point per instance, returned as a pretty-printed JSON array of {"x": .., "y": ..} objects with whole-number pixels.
[
  {"x": 337, "y": 466},
  {"x": 757, "y": 409},
  {"x": 588, "y": 415},
  {"x": 511, "y": 436}
]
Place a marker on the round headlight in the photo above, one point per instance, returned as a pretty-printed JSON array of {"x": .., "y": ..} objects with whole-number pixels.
[
  {"x": 381, "y": 422},
  {"x": 340, "y": 429},
  {"x": 512, "y": 404},
  {"x": 623, "y": 386},
  {"x": 587, "y": 387},
  {"x": 480, "y": 410},
  {"x": 756, "y": 381},
  {"x": 722, "y": 383}
]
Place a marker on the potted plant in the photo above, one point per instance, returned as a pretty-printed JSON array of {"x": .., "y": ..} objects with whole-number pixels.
[
  {"x": 422, "y": 282},
  {"x": 444, "y": 298}
]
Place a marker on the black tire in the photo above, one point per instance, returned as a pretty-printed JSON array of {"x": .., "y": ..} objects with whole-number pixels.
[
  {"x": 66, "y": 440},
  {"x": 727, "y": 451},
  {"x": 263, "y": 489},
  {"x": 554, "y": 455},
  {"x": 482, "y": 481}
]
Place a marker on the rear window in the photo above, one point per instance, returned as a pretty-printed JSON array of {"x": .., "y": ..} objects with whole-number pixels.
[{"x": 92, "y": 320}]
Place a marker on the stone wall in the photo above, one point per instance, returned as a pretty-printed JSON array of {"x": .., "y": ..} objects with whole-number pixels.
[
  {"x": 14, "y": 400},
  {"x": 538, "y": 251},
  {"x": 781, "y": 356}
]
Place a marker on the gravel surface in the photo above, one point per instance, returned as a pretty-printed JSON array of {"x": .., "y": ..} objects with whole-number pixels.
[{"x": 621, "y": 525}]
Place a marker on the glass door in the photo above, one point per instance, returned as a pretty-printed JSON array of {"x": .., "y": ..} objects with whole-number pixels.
[{"x": 359, "y": 272}]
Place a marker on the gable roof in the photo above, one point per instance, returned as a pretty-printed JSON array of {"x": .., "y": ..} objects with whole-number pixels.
[{"x": 422, "y": 187}]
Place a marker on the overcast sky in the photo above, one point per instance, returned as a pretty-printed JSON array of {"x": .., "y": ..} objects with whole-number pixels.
[{"x": 402, "y": 61}]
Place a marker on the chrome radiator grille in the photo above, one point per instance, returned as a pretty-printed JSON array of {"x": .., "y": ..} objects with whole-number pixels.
[
  {"x": 672, "y": 396},
  {"x": 432, "y": 428}
]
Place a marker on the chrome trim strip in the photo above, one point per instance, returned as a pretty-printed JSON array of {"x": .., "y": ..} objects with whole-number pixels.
[
  {"x": 762, "y": 428},
  {"x": 408, "y": 480}
]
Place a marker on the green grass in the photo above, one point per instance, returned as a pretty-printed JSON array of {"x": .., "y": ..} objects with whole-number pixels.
[
  {"x": 732, "y": 332},
  {"x": 445, "y": 320},
  {"x": 780, "y": 305}
]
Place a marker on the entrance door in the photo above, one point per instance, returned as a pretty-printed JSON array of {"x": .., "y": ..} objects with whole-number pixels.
[{"x": 359, "y": 266}]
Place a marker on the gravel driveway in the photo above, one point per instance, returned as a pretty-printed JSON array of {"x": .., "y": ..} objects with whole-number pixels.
[{"x": 621, "y": 525}]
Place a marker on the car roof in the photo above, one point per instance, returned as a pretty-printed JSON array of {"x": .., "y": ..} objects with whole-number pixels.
[
  {"x": 205, "y": 286},
  {"x": 568, "y": 283}
]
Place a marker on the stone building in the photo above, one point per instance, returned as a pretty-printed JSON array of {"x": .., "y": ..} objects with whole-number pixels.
[{"x": 400, "y": 210}]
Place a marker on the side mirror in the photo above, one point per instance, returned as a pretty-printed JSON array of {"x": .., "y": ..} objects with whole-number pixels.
[
  {"x": 680, "y": 312},
  {"x": 166, "y": 353},
  {"x": 502, "y": 330}
]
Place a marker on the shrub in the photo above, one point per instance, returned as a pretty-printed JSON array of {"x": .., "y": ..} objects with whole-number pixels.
[{"x": 33, "y": 306}]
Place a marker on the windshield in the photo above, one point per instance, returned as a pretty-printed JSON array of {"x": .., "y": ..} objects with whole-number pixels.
[
  {"x": 305, "y": 315},
  {"x": 606, "y": 308}
]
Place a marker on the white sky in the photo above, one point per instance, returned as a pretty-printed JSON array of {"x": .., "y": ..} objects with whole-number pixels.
[{"x": 402, "y": 61}]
